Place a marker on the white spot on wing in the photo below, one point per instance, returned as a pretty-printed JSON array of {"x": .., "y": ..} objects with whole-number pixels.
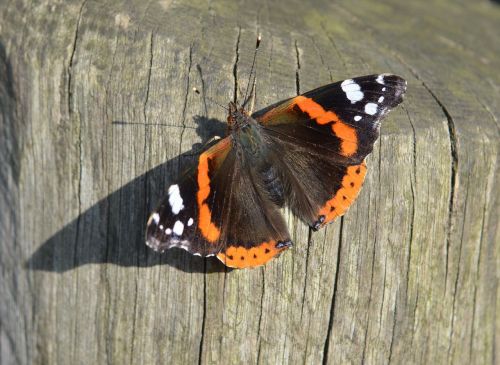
[
  {"x": 381, "y": 99},
  {"x": 190, "y": 222},
  {"x": 371, "y": 108},
  {"x": 383, "y": 89},
  {"x": 357, "y": 118},
  {"x": 156, "y": 217},
  {"x": 168, "y": 231},
  {"x": 174, "y": 198},
  {"x": 178, "y": 228},
  {"x": 380, "y": 79},
  {"x": 352, "y": 90}
]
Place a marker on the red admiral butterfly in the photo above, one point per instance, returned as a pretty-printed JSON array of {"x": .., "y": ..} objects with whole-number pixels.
[{"x": 307, "y": 152}]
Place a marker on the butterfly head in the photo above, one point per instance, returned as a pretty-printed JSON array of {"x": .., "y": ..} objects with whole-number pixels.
[{"x": 237, "y": 117}]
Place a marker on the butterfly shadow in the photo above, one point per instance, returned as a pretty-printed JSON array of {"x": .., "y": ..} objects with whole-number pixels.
[{"x": 112, "y": 230}]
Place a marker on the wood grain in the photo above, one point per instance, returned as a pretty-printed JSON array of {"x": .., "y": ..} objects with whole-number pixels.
[{"x": 97, "y": 111}]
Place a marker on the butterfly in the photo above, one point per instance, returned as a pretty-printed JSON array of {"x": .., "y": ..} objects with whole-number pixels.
[{"x": 307, "y": 152}]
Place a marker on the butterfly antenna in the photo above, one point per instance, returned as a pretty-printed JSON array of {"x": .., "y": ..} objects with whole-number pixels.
[
  {"x": 252, "y": 70},
  {"x": 121, "y": 122},
  {"x": 210, "y": 99}
]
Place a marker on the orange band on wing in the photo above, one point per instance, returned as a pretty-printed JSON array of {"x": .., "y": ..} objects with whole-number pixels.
[
  {"x": 208, "y": 229},
  {"x": 343, "y": 198},
  {"x": 241, "y": 257},
  {"x": 347, "y": 134}
]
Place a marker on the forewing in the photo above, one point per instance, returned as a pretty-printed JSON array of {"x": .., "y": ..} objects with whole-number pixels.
[
  {"x": 183, "y": 219},
  {"x": 340, "y": 119}
]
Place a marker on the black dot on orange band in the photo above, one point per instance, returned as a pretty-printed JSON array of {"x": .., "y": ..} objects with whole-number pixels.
[
  {"x": 267, "y": 250},
  {"x": 332, "y": 209},
  {"x": 242, "y": 258},
  {"x": 230, "y": 257},
  {"x": 344, "y": 197},
  {"x": 352, "y": 184},
  {"x": 254, "y": 256},
  {"x": 358, "y": 170}
]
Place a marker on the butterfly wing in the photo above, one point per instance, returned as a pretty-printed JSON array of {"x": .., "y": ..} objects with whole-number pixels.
[
  {"x": 220, "y": 208},
  {"x": 323, "y": 137},
  {"x": 182, "y": 218}
]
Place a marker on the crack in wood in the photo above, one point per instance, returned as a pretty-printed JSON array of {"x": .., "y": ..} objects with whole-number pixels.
[
  {"x": 458, "y": 273},
  {"x": 79, "y": 143},
  {"x": 413, "y": 183},
  {"x": 203, "y": 92},
  {"x": 25, "y": 22},
  {"x": 380, "y": 316},
  {"x": 454, "y": 170},
  {"x": 202, "y": 337},
  {"x": 393, "y": 329},
  {"x": 186, "y": 96},
  {"x": 478, "y": 263},
  {"x": 146, "y": 129},
  {"x": 70, "y": 100},
  {"x": 488, "y": 110},
  {"x": 318, "y": 51},
  {"x": 259, "y": 339},
  {"x": 146, "y": 177},
  {"x": 334, "y": 45},
  {"x": 146, "y": 99},
  {"x": 73, "y": 51},
  {"x": 379, "y": 192},
  {"x": 134, "y": 318},
  {"x": 309, "y": 241},
  {"x": 326, "y": 346},
  {"x": 108, "y": 81},
  {"x": 454, "y": 157}
]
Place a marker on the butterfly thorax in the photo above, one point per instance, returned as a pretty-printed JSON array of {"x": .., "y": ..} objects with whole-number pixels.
[
  {"x": 250, "y": 144},
  {"x": 245, "y": 132}
]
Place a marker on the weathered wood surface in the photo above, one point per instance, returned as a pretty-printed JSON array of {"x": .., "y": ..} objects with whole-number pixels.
[{"x": 409, "y": 275}]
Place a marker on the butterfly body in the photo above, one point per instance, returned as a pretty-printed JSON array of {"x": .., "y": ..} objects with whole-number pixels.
[
  {"x": 245, "y": 134},
  {"x": 306, "y": 152}
]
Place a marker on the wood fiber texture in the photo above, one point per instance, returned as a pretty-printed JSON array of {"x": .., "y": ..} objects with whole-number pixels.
[{"x": 97, "y": 111}]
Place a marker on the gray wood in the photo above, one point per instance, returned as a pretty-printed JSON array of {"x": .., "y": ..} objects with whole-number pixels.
[{"x": 409, "y": 275}]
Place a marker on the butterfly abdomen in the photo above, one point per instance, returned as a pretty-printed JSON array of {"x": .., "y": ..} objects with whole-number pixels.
[{"x": 273, "y": 185}]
